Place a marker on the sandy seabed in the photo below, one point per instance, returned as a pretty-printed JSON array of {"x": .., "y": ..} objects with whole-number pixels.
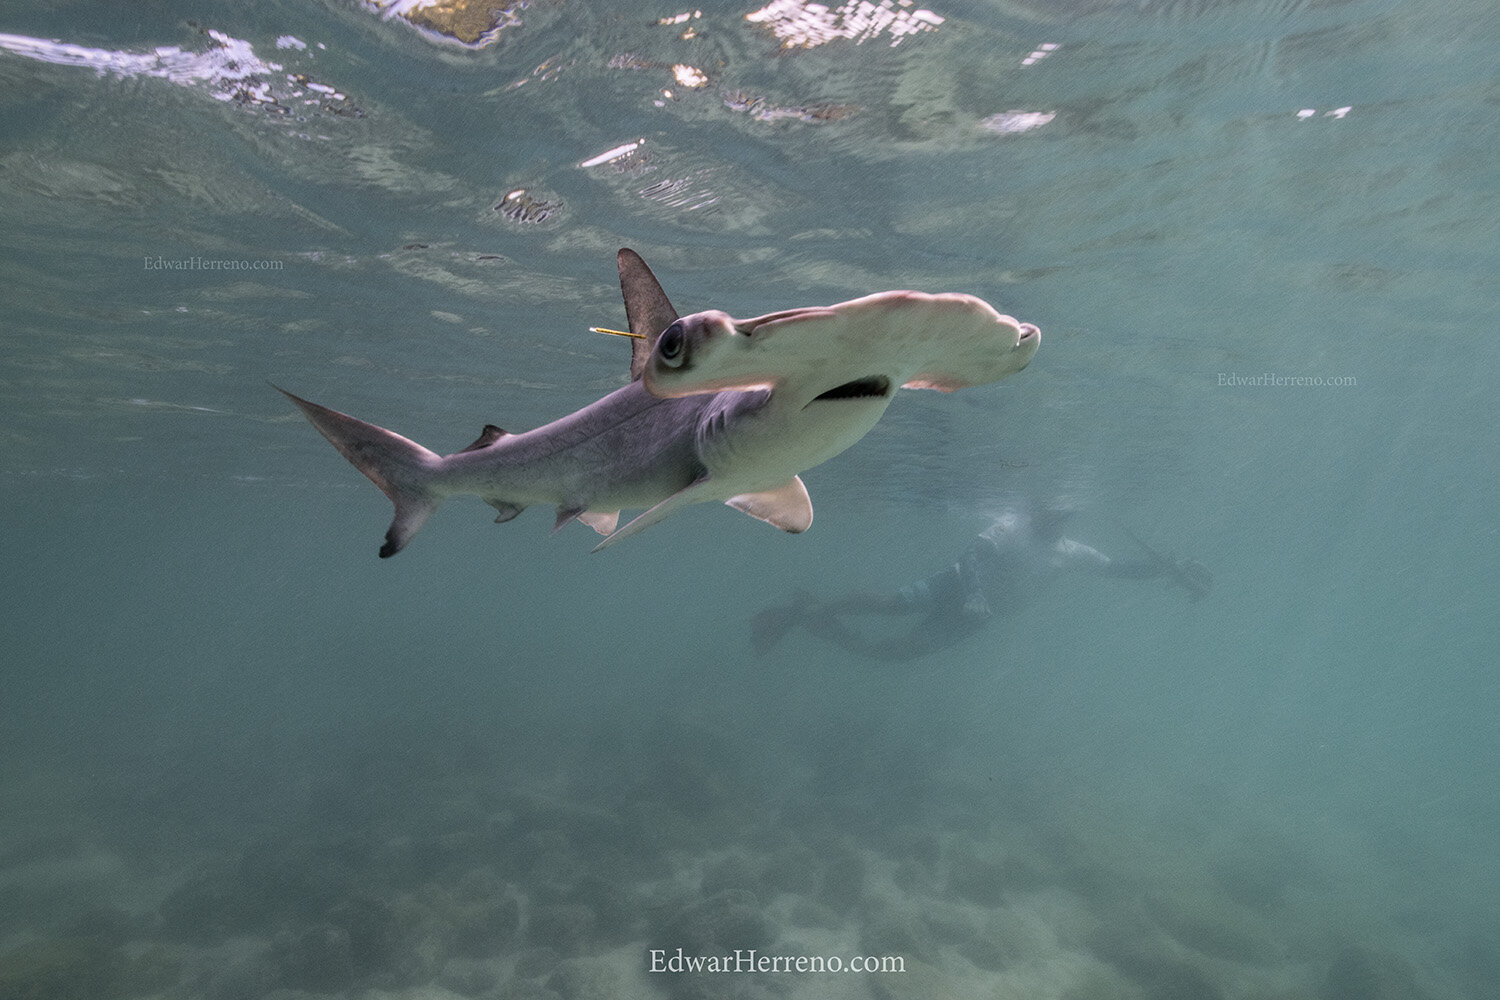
[{"x": 439, "y": 880}]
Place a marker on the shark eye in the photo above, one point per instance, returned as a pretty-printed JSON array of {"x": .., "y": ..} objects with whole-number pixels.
[{"x": 671, "y": 346}]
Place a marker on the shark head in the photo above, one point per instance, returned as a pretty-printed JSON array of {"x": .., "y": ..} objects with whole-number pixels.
[
  {"x": 697, "y": 354},
  {"x": 854, "y": 350}
]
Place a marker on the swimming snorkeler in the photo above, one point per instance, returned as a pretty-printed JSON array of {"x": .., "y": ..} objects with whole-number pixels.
[{"x": 994, "y": 577}]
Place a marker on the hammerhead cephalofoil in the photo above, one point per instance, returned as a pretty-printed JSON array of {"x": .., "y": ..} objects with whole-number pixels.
[{"x": 716, "y": 409}]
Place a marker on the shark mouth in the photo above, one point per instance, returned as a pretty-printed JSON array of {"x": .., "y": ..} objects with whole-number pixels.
[{"x": 860, "y": 388}]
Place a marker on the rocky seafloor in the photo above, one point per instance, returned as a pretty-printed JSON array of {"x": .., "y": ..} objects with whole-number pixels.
[{"x": 436, "y": 877}]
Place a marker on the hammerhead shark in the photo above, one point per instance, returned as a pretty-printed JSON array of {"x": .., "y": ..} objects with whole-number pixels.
[{"x": 717, "y": 409}]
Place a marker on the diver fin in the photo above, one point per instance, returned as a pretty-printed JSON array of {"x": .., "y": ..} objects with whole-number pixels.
[
  {"x": 689, "y": 494},
  {"x": 646, "y": 306},
  {"x": 787, "y": 507},
  {"x": 401, "y": 468},
  {"x": 507, "y": 510},
  {"x": 604, "y": 523},
  {"x": 486, "y": 437}
]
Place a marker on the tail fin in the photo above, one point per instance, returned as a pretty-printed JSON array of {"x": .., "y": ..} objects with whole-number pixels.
[{"x": 402, "y": 469}]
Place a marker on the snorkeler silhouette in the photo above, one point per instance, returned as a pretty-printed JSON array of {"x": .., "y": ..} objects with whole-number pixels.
[{"x": 994, "y": 577}]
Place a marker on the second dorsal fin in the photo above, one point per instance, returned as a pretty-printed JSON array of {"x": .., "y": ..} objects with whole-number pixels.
[{"x": 486, "y": 437}]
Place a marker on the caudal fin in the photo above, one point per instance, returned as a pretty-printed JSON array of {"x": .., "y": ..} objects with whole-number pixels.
[{"x": 402, "y": 469}]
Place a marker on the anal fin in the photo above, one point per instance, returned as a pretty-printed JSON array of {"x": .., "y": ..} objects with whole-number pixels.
[{"x": 787, "y": 507}]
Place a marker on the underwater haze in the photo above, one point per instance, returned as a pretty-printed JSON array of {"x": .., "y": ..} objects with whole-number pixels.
[{"x": 243, "y": 757}]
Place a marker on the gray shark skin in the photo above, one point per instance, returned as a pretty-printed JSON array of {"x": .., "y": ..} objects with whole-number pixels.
[{"x": 718, "y": 409}]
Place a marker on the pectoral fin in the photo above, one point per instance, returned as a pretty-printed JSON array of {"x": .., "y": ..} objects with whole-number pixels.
[
  {"x": 787, "y": 507},
  {"x": 689, "y": 494}
]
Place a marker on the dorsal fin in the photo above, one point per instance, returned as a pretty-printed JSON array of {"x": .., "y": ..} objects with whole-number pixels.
[
  {"x": 486, "y": 437},
  {"x": 646, "y": 306}
]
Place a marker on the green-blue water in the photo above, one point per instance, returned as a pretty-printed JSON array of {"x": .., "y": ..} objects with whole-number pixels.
[{"x": 240, "y": 756}]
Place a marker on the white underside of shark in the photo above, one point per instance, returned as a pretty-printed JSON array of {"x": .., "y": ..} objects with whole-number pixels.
[{"x": 721, "y": 410}]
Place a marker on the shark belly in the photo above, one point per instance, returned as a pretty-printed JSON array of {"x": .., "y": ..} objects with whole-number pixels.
[{"x": 763, "y": 447}]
